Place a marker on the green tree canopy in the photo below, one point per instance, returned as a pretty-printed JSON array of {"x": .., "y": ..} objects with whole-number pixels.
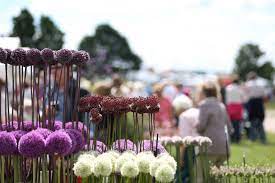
[
  {"x": 49, "y": 35},
  {"x": 23, "y": 27},
  {"x": 110, "y": 50},
  {"x": 248, "y": 60}
]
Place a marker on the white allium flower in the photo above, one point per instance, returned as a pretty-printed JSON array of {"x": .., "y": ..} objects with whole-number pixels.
[
  {"x": 144, "y": 160},
  {"x": 177, "y": 140},
  {"x": 205, "y": 141},
  {"x": 124, "y": 157},
  {"x": 165, "y": 173},
  {"x": 86, "y": 157},
  {"x": 114, "y": 155},
  {"x": 129, "y": 169},
  {"x": 82, "y": 169},
  {"x": 187, "y": 140},
  {"x": 103, "y": 165},
  {"x": 154, "y": 165},
  {"x": 166, "y": 158}
]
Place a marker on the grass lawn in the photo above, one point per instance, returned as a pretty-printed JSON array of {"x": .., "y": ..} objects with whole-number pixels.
[
  {"x": 255, "y": 152},
  {"x": 270, "y": 105}
]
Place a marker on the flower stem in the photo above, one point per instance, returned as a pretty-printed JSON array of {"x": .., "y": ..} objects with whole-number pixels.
[
  {"x": 2, "y": 169},
  {"x": 34, "y": 170}
]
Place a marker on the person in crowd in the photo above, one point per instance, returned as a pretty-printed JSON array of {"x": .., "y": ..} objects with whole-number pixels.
[
  {"x": 255, "y": 107},
  {"x": 188, "y": 119},
  {"x": 170, "y": 91},
  {"x": 118, "y": 89},
  {"x": 164, "y": 118},
  {"x": 222, "y": 90},
  {"x": 234, "y": 105},
  {"x": 214, "y": 123}
]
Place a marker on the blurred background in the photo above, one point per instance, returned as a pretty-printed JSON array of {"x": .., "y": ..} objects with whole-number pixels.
[{"x": 136, "y": 45}]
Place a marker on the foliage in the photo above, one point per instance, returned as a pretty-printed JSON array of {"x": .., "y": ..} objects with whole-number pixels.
[
  {"x": 47, "y": 35},
  {"x": 110, "y": 50},
  {"x": 248, "y": 60}
]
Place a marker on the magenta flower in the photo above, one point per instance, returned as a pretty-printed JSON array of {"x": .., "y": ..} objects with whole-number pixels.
[
  {"x": 10, "y": 126},
  {"x": 18, "y": 134},
  {"x": 44, "y": 132},
  {"x": 31, "y": 145},
  {"x": 59, "y": 142},
  {"x": 80, "y": 127},
  {"x": 8, "y": 144},
  {"x": 122, "y": 145},
  {"x": 56, "y": 126},
  {"x": 28, "y": 126},
  {"x": 99, "y": 146}
]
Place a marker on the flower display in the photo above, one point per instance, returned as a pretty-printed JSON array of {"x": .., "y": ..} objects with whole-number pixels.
[
  {"x": 79, "y": 139},
  {"x": 82, "y": 169},
  {"x": 3, "y": 55},
  {"x": 18, "y": 134},
  {"x": 64, "y": 55},
  {"x": 165, "y": 173},
  {"x": 47, "y": 55},
  {"x": 32, "y": 145},
  {"x": 44, "y": 132},
  {"x": 103, "y": 165},
  {"x": 129, "y": 169},
  {"x": 144, "y": 160},
  {"x": 149, "y": 145},
  {"x": 122, "y": 145},
  {"x": 33, "y": 56},
  {"x": 98, "y": 146}
]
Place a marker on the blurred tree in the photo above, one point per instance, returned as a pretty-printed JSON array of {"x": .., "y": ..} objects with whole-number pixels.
[
  {"x": 24, "y": 28},
  {"x": 111, "y": 52},
  {"x": 266, "y": 70},
  {"x": 49, "y": 35},
  {"x": 248, "y": 60}
]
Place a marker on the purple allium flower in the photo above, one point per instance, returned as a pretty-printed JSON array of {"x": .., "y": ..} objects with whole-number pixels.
[
  {"x": 8, "y": 144},
  {"x": 3, "y": 56},
  {"x": 56, "y": 126},
  {"x": 85, "y": 55},
  {"x": 149, "y": 145},
  {"x": 47, "y": 55},
  {"x": 10, "y": 126},
  {"x": 99, "y": 146},
  {"x": 74, "y": 143},
  {"x": 122, "y": 145},
  {"x": 78, "y": 57},
  {"x": 44, "y": 132},
  {"x": 79, "y": 139},
  {"x": 152, "y": 104},
  {"x": 28, "y": 126},
  {"x": 59, "y": 142},
  {"x": 18, "y": 56},
  {"x": 81, "y": 127},
  {"x": 31, "y": 145},
  {"x": 34, "y": 56},
  {"x": 18, "y": 134},
  {"x": 64, "y": 56}
]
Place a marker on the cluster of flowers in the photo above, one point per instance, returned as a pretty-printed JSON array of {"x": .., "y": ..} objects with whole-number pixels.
[
  {"x": 126, "y": 164},
  {"x": 32, "y": 141},
  {"x": 34, "y": 56},
  {"x": 187, "y": 141},
  {"x": 98, "y": 105},
  {"x": 244, "y": 171}
]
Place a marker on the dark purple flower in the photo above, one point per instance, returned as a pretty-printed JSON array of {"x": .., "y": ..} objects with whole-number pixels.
[
  {"x": 44, "y": 132},
  {"x": 59, "y": 142},
  {"x": 64, "y": 56},
  {"x": 8, "y": 144},
  {"x": 34, "y": 56},
  {"x": 9, "y": 61},
  {"x": 28, "y": 126},
  {"x": 99, "y": 146},
  {"x": 3, "y": 55},
  {"x": 122, "y": 145},
  {"x": 79, "y": 139},
  {"x": 47, "y": 55},
  {"x": 32, "y": 145},
  {"x": 18, "y": 134},
  {"x": 149, "y": 145},
  {"x": 18, "y": 56},
  {"x": 85, "y": 55},
  {"x": 80, "y": 127},
  {"x": 78, "y": 57}
]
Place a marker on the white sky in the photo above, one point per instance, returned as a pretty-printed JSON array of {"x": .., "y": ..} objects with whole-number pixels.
[{"x": 179, "y": 34}]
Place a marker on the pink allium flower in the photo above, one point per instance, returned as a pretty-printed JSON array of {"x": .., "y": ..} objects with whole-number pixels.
[{"x": 8, "y": 143}]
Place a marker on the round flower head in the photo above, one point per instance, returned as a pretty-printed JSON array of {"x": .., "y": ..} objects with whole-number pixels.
[
  {"x": 154, "y": 165},
  {"x": 31, "y": 145},
  {"x": 44, "y": 132},
  {"x": 103, "y": 166},
  {"x": 54, "y": 125},
  {"x": 82, "y": 169},
  {"x": 3, "y": 56},
  {"x": 8, "y": 144},
  {"x": 33, "y": 56},
  {"x": 129, "y": 169},
  {"x": 28, "y": 126},
  {"x": 99, "y": 146},
  {"x": 177, "y": 140},
  {"x": 80, "y": 127},
  {"x": 10, "y": 127},
  {"x": 165, "y": 173},
  {"x": 8, "y": 60},
  {"x": 47, "y": 55},
  {"x": 18, "y": 56},
  {"x": 85, "y": 55},
  {"x": 64, "y": 56},
  {"x": 165, "y": 157},
  {"x": 59, "y": 142},
  {"x": 122, "y": 145},
  {"x": 79, "y": 139},
  {"x": 89, "y": 157},
  {"x": 78, "y": 57},
  {"x": 149, "y": 145},
  {"x": 125, "y": 157},
  {"x": 114, "y": 155},
  {"x": 18, "y": 134},
  {"x": 144, "y": 160}
]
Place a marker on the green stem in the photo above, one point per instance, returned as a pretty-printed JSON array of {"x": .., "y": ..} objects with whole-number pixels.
[
  {"x": 2, "y": 169},
  {"x": 44, "y": 168},
  {"x": 34, "y": 170},
  {"x": 15, "y": 168},
  {"x": 58, "y": 169}
]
